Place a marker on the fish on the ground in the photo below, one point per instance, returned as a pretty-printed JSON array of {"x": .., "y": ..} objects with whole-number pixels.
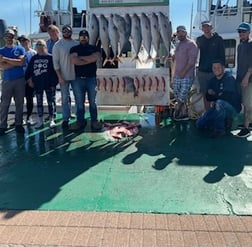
[
  {"x": 165, "y": 31},
  {"x": 155, "y": 34},
  {"x": 104, "y": 37},
  {"x": 146, "y": 33},
  {"x": 136, "y": 35},
  {"x": 113, "y": 37},
  {"x": 93, "y": 29}
]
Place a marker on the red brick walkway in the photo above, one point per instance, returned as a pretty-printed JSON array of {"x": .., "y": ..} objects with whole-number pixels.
[{"x": 60, "y": 228}]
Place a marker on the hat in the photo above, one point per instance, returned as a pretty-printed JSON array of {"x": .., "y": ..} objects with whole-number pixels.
[
  {"x": 67, "y": 27},
  {"x": 181, "y": 28},
  {"x": 84, "y": 33},
  {"x": 244, "y": 26},
  {"x": 206, "y": 23},
  {"x": 23, "y": 38},
  {"x": 9, "y": 31}
]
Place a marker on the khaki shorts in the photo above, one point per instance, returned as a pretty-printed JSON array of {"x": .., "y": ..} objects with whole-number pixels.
[
  {"x": 203, "y": 79},
  {"x": 247, "y": 96}
]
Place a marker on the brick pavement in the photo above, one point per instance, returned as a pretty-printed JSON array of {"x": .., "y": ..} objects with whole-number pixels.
[{"x": 104, "y": 229}]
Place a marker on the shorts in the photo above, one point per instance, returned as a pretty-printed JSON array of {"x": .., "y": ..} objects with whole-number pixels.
[
  {"x": 181, "y": 88},
  {"x": 247, "y": 96},
  {"x": 203, "y": 79}
]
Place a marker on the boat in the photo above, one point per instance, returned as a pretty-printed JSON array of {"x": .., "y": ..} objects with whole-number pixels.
[
  {"x": 59, "y": 13},
  {"x": 225, "y": 17}
]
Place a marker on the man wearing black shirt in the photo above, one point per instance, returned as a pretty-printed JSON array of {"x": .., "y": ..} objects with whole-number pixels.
[{"x": 84, "y": 57}]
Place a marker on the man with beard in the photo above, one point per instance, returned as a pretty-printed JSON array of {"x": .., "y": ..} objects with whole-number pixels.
[
  {"x": 185, "y": 59},
  {"x": 64, "y": 69},
  {"x": 84, "y": 57}
]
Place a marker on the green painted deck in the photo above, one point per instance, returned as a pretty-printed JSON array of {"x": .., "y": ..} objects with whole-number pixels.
[{"x": 172, "y": 169}]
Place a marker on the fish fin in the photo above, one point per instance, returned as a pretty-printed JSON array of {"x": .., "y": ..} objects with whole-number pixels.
[
  {"x": 137, "y": 59},
  {"x": 149, "y": 58},
  {"x": 120, "y": 58},
  {"x": 106, "y": 61}
]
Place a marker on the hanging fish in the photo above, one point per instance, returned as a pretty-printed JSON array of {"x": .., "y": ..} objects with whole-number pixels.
[
  {"x": 113, "y": 37},
  {"x": 104, "y": 37},
  {"x": 146, "y": 34},
  {"x": 155, "y": 34},
  {"x": 165, "y": 30},
  {"x": 136, "y": 35},
  {"x": 127, "y": 25},
  {"x": 93, "y": 30}
]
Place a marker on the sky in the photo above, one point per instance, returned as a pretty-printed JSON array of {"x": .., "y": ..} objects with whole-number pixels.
[{"x": 17, "y": 13}]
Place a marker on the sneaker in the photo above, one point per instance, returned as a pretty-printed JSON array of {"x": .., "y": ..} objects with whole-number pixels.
[
  {"x": 20, "y": 129},
  {"x": 2, "y": 131},
  {"x": 72, "y": 116},
  {"x": 78, "y": 126},
  {"x": 96, "y": 126},
  {"x": 64, "y": 125},
  {"x": 244, "y": 133},
  {"x": 217, "y": 134},
  {"x": 30, "y": 121},
  {"x": 52, "y": 124},
  {"x": 241, "y": 126}
]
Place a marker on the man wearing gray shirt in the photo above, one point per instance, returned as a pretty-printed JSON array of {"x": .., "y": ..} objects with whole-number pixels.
[{"x": 64, "y": 69}]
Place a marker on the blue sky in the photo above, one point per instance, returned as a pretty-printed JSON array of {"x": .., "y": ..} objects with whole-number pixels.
[{"x": 17, "y": 13}]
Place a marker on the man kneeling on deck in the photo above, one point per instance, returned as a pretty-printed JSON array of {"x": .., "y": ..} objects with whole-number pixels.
[{"x": 225, "y": 101}]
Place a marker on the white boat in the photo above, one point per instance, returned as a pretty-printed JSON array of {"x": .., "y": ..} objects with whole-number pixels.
[
  {"x": 60, "y": 13},
  {"x": 225, "y": 16}
]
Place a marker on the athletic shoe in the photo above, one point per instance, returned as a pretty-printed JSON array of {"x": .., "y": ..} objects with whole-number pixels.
[
  {"x": 20, "y": 129},
  {"x": 64, "y": 125},
  {"x": 244, "y": 133},
  {"x": 96, "y": 126},
  {"x": 52, "y": 124},
  {"x": 241, "y": 126}
]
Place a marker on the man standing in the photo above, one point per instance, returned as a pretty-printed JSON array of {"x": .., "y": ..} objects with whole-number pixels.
[
  {"x": 244, "y": 78},
  {"x": 29, "y": 91},
  {"x": 211, "y": 47},
  {"x": 84, "y": 57},
  {"x": 12, "y": 60},
  {"x": 64, "y": 69},
  {"x": 225, "y": 102},
  {"x": 185, "y": 59}
]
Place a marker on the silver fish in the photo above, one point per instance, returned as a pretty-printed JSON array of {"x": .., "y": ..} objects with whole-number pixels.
[
  {"x": 104, "y": 37},
  {"x": 93, "y": 29},
  {"x": 113, "y": 36},
  {"x": 155, "y": 34},
  {"x": 165, "y": 30},
  {"x": 121, "y": 27},
  {"x": 146, "y": 33},
  {"x": 136, "y": 35},
  {"x": 128, "y": 25}
]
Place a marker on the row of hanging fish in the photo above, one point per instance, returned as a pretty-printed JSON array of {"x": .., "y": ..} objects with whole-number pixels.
[{"x": 115, "y": 31}]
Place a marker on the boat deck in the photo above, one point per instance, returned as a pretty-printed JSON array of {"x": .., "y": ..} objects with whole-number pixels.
[{"x": 168, "y": 186}]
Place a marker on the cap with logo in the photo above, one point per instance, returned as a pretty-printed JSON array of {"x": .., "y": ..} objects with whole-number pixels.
[
  {"x": 9, "y": 31},
  {"x": 84, "y": 33},
  {"x": 244, "y": 26},
  {"x": 181, "y": 28},
  {"x": 67, "y": 27}
]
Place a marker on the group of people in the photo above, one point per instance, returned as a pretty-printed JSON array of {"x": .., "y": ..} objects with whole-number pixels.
[
  {"x": 223, "y": 95},
  {"x": 27, "y": 72}
]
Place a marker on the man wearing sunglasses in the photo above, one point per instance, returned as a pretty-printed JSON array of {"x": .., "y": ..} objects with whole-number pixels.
[
  {"x": 64, "y": 69},
  {"x": 12, "y": 60},
  {"x": 244, "y": 78}
]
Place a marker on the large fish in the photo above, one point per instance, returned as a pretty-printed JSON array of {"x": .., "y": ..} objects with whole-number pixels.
[
  {"x": 93, "y": 29},
  {"x": 113, "y": 36},
  {"x": 104, "y": 37},
  {"x": 165, "y": 30},
  {"x": 120, "y": 23},
  {"x": 128, "y": 25},
  {"x": 155, "y": 34},
  {"x": 136, "y": 35},
  {"x": 146, "y": 33}
]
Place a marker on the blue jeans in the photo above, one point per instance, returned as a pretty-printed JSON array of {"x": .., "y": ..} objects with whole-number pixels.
[
  {"x": 80, "y": 87},
  {"x": 215, "y": 117},
  {"x": 49, "y": 97},
  {"x": 66, "y": 104}
]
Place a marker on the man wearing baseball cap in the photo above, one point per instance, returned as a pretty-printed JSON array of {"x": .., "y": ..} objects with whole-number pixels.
[
  {"x": 84, "y": 57},
  {"x": 12, "y": 60},
  {"x": 243, "y": 77}
]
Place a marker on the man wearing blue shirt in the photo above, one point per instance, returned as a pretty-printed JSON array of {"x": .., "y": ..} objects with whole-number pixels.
[{"x": 12, "y": 60}]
